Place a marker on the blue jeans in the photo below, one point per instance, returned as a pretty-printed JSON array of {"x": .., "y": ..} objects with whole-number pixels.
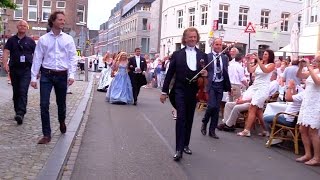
[
  {"x": 281, "y": 120},
  {"x": 59, "y": 82}
]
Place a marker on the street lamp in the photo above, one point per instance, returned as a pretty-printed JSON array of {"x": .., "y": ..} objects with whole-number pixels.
[
  {"x": 168, "y": 45},
  {"x": 221, "y": 32}
]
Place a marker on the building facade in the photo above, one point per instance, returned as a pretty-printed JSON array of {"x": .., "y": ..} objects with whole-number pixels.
[
  {"x": 37, "y": 13},
  {"x": 228, "y": 20}
]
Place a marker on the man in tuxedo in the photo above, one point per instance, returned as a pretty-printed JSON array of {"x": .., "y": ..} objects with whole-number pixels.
[
  {"x": 184, "y": 64},
  {"x": 137, "y": 69},
  {"x": 218, "y": 82}
]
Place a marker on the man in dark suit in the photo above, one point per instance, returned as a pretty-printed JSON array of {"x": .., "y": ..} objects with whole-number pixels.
[
  {"x": 218, "y": 82},
  {"x": 137, "y": 69},
  {"x": 184, "y": 64}
]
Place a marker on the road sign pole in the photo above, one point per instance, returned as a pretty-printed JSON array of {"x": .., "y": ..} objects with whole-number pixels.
[{"x": 249, "y": 43}]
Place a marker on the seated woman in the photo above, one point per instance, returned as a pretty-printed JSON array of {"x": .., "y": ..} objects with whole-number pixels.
[{"x": 120, "y": 89}]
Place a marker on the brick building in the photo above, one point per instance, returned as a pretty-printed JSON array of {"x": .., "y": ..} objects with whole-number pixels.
[{"x": 37, "y": 12}]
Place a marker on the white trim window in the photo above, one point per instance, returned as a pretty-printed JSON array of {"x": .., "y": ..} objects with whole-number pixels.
[
  {"x": 32, "y": 10},
  {"x": 81, "y": 13},
  {"x": 223, "y": 13},
  {"x": 313, "y": 12},
  {"x": 264, "y": 20},
  {"x": 285, "y": 21},
  {"x": 192, "y": 16},
  {"x": 46, "y": 10},
  {"x": 18, "y": 13},
  {"x": 243, "y": 16},
  {"x": 299, "y": 21},
  {"x": 180, "y": 18},
  {"x": 61, "y": 5},
  {"x": 204, "y": 15}
]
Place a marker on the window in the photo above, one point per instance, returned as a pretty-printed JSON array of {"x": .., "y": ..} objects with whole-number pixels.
[
  {"x": 191, "y": 16},
  {"x": 145, "y": 45},
  {"x": 180, "y": 18},
  {"x": 299, "y": 21},
  {"x": 144, "y": 24},
  {"x": 165, "y": 23},
  {"x": 46, "y": 13},
  {"x": 178, "y": 46},
  {"x": 204, "y": 15},
  {"x": 264, "y": 18},
  {"x": 61, "y": 4},
  {"x": 46, "y": 3},
  {"x": 285, "y": 21},
  {"x": 32, "y": 13},
  {"x": 223, "y": 13},
  {"x": 243, "y": 16},
  {"x": 81, "y": 13},
  {"x": 313, "y": 11},
  {"x": 32, "y": 2},
  {"x": 202, "y": 46},
  {"x": 18, "y": 13}
]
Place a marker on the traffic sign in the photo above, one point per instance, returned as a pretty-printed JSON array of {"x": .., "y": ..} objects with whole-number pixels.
[{"x": 250, "y": 28}]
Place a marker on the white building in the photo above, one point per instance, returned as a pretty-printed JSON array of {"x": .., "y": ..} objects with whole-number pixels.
[{"x": 272, "y": 21}]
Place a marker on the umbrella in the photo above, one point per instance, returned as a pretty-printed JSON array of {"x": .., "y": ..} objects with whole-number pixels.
[{"x": 294, "y": 41}]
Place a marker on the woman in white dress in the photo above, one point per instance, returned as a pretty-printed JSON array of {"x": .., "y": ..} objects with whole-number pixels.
[
  {"x": 309, "y": 115},
  {"x": 263, "y": 72},
  {"x": 105, "y": 75}
]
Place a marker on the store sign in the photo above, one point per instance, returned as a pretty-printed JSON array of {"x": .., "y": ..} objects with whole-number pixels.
[{"x": 39, "y": 28}]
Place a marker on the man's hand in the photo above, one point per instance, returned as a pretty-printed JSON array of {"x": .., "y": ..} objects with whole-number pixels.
[
  {"x": 34, "y": 85},
  {"x": 204, "y": 73},
  {"x": 291, "y": 84},
  {"x": 70, "y": 81},
  {"x": 163, "y": 98}
]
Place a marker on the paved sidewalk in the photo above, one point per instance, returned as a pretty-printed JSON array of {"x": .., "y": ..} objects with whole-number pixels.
[{"x": 21, "y": 156}]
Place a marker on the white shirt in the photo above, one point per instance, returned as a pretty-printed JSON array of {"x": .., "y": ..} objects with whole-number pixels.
[
  {"x": 55, "y": 52},
  {"x": 294, "y": 107},
  {"x": 215, "y": 79},
  {"x": 191, "y": 58},
  {"x": 236, "y": 73},
  {"x": 138, "y": 61}
]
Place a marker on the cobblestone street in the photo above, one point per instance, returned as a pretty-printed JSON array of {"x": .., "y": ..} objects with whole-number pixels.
[{"x": 21, "y": 156}]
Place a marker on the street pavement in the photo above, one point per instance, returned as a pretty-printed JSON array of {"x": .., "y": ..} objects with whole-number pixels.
[
  {"x": 137, "y": 142},
  {"x": 21, "y": 156}
]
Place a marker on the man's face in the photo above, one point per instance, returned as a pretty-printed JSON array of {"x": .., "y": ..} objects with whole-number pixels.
[
  {"x": 191, "y": 38},
  {"x": 22, "y": 27},
  {"x": 138, "y": 52},
  {"x": 217, "y": 45},
  {"x": 233, "y": 53},
  {"x": 59, "y": 22}
]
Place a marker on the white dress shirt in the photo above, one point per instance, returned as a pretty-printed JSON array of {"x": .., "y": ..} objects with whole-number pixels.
[
  {"x": 215, "y": 78},
  {"x": 138, "y": 61},
  {"x": 191, "y": 58},
  {"x": 56, "y": 53},
  {"x": 236, "y": 72}
]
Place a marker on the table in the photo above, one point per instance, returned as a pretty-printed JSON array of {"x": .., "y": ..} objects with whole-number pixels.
[{"x": 275, "y": 107}]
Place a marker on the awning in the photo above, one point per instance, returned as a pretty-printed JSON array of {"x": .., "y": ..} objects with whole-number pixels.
[{"x": 307, "y": 47}]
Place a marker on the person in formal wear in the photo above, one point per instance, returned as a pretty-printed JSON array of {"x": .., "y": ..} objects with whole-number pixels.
[
  {"x": 56, "y": 57},
  {"x": 20, "y": 47},
  {"x": 263, "y": 71},
  {"x": 184, "y": 65},
  {"x": 105, "y": 75},
  {"x": 309, "y": 115},
  {"x": 120, "y": 90},
  {"x": 218, "y": 82},
  {"x": 137, "y": 69}
]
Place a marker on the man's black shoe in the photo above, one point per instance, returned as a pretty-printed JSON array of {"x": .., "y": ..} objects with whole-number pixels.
[
  {"x": 229, "y": 129},
  {"x": 177, "y": 156},
  {"x": 63, "y": 127},
  {"x": 221, "y": 126},
  {"x": 19, "y": 119},
  {"x": 204, "y": 129},
  {"x": 213, "y": 135},
  {"x": 187, "y": 150},
  {"x": 135, "y": 103}
]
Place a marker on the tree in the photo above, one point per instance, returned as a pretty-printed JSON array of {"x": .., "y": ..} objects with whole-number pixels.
[{"x": 7, "y": 4}]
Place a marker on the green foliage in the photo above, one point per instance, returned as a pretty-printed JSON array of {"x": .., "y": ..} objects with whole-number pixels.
[{"x": 7, "y": 4}]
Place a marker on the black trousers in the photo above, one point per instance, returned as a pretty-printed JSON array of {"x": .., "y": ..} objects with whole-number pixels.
[
  {"x": 185, "y": 105},
  {"x": 212, "y": 112},
  {"x": 137, "y": 80},
  {"x": 20, "y": 80}
]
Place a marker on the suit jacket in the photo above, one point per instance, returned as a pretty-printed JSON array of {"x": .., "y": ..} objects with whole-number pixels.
[
  {"x": 132, "y": 64},
  {"x": 226, "y": 79},
  {"x": 178, "y": 66}
]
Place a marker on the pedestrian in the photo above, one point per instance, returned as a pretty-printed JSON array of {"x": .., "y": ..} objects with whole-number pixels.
[
  {"x": 20, "y": 47},
  {"x": 137, "y": 69},
  {"x": 185, "y": 64},
  {"x": 218, "y": 82},
  {"x": 55, "y": 72},
  {"x": 95, "y": 63}
]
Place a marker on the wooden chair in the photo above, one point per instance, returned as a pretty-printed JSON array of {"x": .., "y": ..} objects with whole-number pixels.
[{"x": 277, "y": 132}]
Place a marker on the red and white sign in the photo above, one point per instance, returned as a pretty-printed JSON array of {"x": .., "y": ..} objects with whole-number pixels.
[
  {"x": 250, "y": 28},
  {"x": 215, "y": 25}
]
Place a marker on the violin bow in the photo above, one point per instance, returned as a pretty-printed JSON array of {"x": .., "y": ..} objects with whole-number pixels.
[{"x": 217, "y": 57}]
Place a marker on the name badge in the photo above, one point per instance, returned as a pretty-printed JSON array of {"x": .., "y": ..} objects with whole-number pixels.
[{"x": 22, "y": 59}]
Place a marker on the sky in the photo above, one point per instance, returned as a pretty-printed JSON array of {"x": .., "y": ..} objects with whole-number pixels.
[{"x": 99, "y": 12}]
